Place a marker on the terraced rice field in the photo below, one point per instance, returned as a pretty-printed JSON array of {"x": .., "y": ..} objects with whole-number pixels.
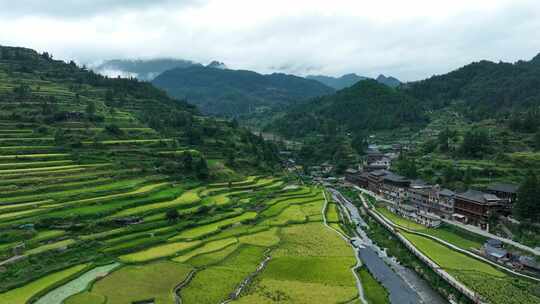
[{"x": 259, "y": 224}]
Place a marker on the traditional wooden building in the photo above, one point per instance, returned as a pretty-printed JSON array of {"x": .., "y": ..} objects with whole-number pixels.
[
  {"x": 375, "y": 180},
  {"x": 506, "y": 192},
  {"x": 475, "y": 207},
  {"x": 394, "y": 187}
]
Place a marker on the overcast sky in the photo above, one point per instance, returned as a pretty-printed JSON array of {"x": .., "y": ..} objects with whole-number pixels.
[{"x": 410, "y": 39}]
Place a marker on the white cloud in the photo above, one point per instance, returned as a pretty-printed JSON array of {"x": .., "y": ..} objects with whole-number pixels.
[{"x": 408, "y": 39}]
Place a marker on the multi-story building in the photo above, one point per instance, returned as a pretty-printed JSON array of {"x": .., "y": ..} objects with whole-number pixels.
[
  {"x": 375, "y": 180},
  {"x": 475, "y": 207},
  {"x": 423, "y": 196},
  {"x": 506, "y": 192},
  {"x": 394, "y": 187},
  {"x": 445, "y": 202}
]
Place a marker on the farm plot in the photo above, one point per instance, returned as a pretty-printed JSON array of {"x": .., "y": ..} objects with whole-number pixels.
[
  {"x": 78, "y": 285},
  {"x": 215, "y": 283},
  {"x": 187, "y": 198},
  {"x": 23, "y": 294},
  {"x": 155, "y": 281},
  {"x": 311, "y": 265},
  {"x": 213, "y": 227},
  {"x": 159, "y": 252}
]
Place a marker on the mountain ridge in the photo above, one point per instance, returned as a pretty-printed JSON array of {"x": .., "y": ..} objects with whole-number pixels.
[{"x": 230, "y": 92}]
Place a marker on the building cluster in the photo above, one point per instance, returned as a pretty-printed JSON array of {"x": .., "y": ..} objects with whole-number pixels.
[
  {"x": 426, "y": 203},
  {"x": 495, "y": 251}
]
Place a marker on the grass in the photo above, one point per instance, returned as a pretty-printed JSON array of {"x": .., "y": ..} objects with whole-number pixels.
[
  {"x": 502, "y": 288},
  {"x": 400, "y": 221},
  {"x": 374, "y": 292},
  {"x": 450, "y": 259},
  {"x": 159, "y": 252},
  {"x": 136, "y": 283},
  {"x": 332, "y": 215},
  {"x": 23, "y": 294}
]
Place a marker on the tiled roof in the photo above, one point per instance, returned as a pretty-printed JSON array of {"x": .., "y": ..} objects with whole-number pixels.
[
  {"x": 478, "y": 196},
  {"x": 508, "y": 188},
  {"x": 446, "y": 192}
]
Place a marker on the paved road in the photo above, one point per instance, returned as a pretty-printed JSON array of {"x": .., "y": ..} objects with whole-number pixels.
[
  {"x": 403, "y": 284},
  {"x": 477, "y": 230}
]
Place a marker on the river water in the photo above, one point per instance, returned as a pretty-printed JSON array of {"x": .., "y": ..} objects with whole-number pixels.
[{"x": 403, "y": 285}]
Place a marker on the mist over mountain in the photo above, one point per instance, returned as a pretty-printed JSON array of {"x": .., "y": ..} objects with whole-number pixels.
[{"x": 145, "y": 70}]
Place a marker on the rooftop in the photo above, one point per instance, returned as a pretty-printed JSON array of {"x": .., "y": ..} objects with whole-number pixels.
[
  {"x": 446, "y": 192},
  {"x": 394, "y": 177},
  {"x": 500, "y": 187},
  {"x": 479, "y": 196}
]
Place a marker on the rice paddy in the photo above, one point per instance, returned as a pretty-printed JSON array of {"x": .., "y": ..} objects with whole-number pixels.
[{"x": 224, "y": 231}]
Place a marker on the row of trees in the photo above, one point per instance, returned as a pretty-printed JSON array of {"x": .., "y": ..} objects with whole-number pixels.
[{"x": 527, "y": 207}]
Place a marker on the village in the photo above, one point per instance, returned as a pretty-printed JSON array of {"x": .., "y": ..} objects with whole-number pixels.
[{"x": 432, "y": 205}]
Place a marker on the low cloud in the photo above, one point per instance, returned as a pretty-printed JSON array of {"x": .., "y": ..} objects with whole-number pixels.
[{"x": 407, "y": 39}]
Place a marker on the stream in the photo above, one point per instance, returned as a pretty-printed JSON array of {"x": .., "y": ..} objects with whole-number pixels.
[{"x": 403, "y": 285}]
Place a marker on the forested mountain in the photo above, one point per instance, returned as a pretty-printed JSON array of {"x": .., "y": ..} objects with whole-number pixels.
[
  {"x": 338, "y": 83},
  {"x": 365, "y": 106},
  {"x": 233, "y": 92},
  {"x": 389, "y": 81},
  {"x": 141, "y": 69},
  {"x": 126, "y": 122},
  {"x": 487, "y": 88},
  {"x": 347, "y": 80}
]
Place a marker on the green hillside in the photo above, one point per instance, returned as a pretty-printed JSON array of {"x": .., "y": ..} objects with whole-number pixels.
[
  {"x": 234, "y": 92},
  {"x": 50, "y": 107}
]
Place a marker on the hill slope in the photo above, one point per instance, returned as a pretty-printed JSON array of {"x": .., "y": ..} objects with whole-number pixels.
[
  {"x": 234, "y": 92},
  {"x": 486, "y": 87},
  {"x": 364, "y": 106},
  {"x": 49, "y": 106}
]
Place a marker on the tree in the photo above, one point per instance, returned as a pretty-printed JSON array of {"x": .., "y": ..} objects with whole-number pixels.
[
  {"x": 172, "y": 215},
  {"x": 536, "y": 141},
  {"x": 527, "y": 206},
  {"x": 201, "y": 168},
  {"x": 187, "y": 161},
  {"x": 359, "y": 143},
  {"x": 468, "y": 178},
  {"x": 475, "y": 143},
  {"x": 90, "y": 108},
  {"x": 113, "y": 130}
]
